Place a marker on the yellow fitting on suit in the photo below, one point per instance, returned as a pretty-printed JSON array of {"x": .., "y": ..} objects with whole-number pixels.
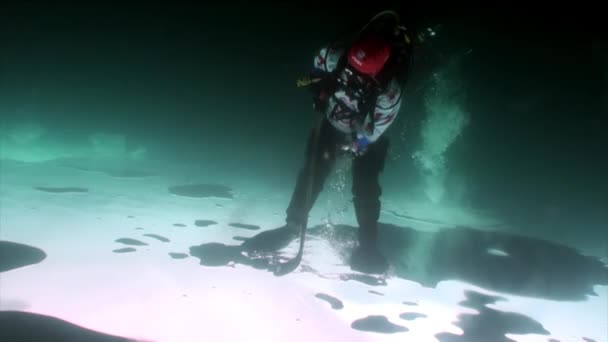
[{"x": 306, "y": 81}]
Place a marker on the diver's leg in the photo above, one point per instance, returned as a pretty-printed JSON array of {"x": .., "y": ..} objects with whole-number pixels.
[{"x": 366, "y": 199}]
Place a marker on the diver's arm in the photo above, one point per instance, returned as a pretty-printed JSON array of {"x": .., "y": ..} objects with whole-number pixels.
[
  {"x": 386, "y": 109},
  {"x": 322, "y": 77},
  {"x": 327, "y": 59}
]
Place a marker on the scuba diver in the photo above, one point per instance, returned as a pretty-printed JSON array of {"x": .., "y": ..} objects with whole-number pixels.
[{"x": 357, "y": 87}]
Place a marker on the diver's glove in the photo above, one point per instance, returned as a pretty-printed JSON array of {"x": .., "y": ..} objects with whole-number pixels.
[
  {"x": 360, "y": 145},
  {"x": 362, "y": 142},
  {"x": 359, "y": 139},
  {"x": 357, "y": 146}
]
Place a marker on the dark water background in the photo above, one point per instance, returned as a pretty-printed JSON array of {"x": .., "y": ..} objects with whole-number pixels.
[{"x": 190, "y": 79}]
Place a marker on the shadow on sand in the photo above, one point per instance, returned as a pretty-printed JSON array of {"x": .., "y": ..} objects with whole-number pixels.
[{"x": 498, "y": 261}]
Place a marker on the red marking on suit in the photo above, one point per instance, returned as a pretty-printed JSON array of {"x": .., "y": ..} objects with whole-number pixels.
[
  {"x": 321, "y": 61},
  {"x": 380, "y": 119}
]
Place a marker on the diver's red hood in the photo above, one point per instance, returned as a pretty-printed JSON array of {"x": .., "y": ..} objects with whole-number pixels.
[{"x": 369, "y": 54}]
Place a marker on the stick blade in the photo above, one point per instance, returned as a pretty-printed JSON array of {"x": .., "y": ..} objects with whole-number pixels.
[{"x": 287, "y": 267}]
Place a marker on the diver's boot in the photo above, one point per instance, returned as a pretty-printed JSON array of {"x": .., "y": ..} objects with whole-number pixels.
[{"x": 366, "y": 258}]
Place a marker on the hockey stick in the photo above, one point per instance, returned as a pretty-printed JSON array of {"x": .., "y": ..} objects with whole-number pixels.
[{"x": 290, "y": 265}]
